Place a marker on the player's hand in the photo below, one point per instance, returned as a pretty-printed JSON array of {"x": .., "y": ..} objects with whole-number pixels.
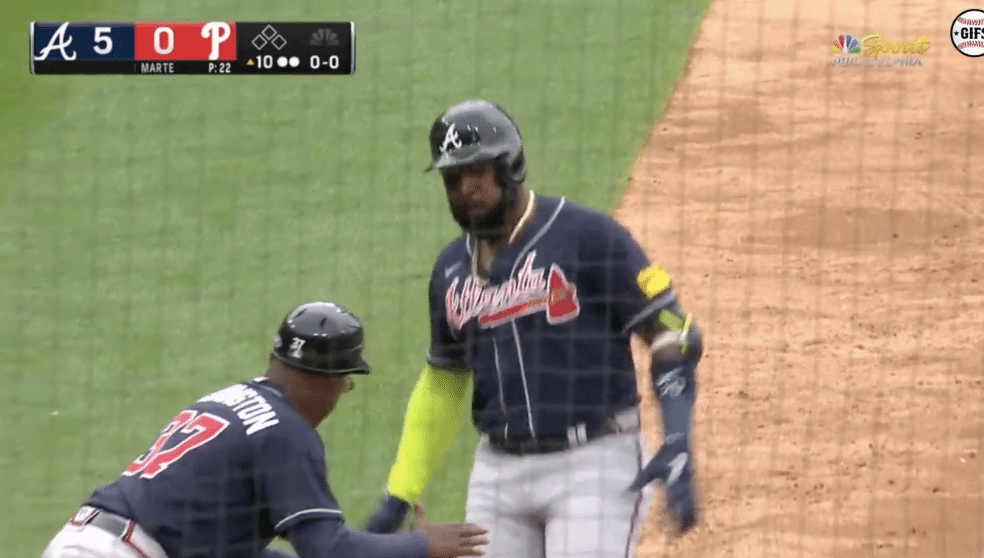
[
  {"x": 389, "y": 516},
  {"x": 671, "y": 466},
  {"x": 448, "y": 540}
]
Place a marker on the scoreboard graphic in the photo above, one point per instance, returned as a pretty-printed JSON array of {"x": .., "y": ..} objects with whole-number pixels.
[{"x": 202, "y": 48}]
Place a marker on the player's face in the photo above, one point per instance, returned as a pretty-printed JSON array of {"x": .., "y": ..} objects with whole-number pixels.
[
  {"x": 475, "y": 197},
  {"x": 337, "y": 385},
  {"x": 329, "y": 390}
]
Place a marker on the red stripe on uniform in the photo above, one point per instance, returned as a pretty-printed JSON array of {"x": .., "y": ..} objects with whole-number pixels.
[
  {"x": 638, "y": 504},
  {"x": 126, "y": 539},
  {"x": 79, "y": 522}
]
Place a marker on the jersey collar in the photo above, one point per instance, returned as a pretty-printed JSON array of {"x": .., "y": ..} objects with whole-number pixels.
[{"x": 270, "y": 386}]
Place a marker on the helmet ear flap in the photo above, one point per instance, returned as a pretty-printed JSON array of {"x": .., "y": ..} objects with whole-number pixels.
[
  {"x": 518, "y": 170},
  {"x": 514, "y": 171},
  {"x": 506, "y": 178}
]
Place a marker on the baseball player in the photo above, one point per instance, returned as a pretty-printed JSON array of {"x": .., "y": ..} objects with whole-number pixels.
[
  {"x": 535, "y": 303},
  {"x": 245, "y": 464}
]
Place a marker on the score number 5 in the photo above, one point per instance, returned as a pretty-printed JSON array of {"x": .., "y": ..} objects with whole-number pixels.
[{"x": 102, "y": 36}]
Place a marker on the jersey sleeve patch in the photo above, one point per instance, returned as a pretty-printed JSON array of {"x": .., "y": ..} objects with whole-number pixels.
[{"x": 653, "y": 280}]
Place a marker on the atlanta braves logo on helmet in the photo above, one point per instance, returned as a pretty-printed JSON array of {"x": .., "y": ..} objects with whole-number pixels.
[
  {"x": 451, "y": 139},
  {"x": 531, "y": 290}
]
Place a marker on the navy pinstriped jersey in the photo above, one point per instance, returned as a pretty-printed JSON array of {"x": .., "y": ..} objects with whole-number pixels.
[
  {"x": 548, "y": 335},
  {"x": 225, "y": 476}
]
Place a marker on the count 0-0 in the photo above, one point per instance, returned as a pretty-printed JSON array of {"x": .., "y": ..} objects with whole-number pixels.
[{"x": 331, "y": 62}]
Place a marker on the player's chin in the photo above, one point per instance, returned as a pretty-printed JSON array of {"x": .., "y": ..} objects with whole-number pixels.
[
  {"x": 483, "y": 220},
  {"x": 331, "y": 402},
  {"x": 480, "y": 214},
  {"x": 462, "y": 215},
  {"x": 325, "y": 412},
  {"x": 323, "y": 403}
]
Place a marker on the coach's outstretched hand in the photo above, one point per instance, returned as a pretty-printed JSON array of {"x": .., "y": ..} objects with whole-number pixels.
[
  {"x": 389, "y": 516},
  {"x": 448, "y": 540},
  {"x": 671, "y": 465}
]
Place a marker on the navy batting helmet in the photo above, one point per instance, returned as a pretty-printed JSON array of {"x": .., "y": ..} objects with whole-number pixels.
[
  {"x": 321, "y": 338},
  {"x": 474, "y": 131}
]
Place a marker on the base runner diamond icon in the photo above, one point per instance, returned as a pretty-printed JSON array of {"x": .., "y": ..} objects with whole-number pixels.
[{"x": 269, "y": 36}]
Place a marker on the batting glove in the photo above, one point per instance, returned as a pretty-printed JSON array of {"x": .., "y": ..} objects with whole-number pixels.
[
  {"x": 389, "y": 516},
  {"x": 671, "y": 466}
]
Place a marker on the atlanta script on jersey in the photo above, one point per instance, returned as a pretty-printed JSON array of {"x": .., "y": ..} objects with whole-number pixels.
[
  {"x": 531, "y": 290},
  {"x": 547, "y": 332}
]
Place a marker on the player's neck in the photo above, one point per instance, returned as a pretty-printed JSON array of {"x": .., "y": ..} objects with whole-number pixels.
[{"x": 486, "y": 249}]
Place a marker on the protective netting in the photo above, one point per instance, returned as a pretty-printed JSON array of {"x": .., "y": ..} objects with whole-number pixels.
[
  {"x": 824, "y": 220},
  {"x": 818, "y": 215}
]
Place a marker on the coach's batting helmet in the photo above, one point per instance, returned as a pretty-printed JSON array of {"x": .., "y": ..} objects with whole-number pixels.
[
  {"x": 321, "y": 338},
  {"x": 474, "y": 131}
]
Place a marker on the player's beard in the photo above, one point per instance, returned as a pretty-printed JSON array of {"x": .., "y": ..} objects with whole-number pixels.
[{"x": 491, "y": 226}]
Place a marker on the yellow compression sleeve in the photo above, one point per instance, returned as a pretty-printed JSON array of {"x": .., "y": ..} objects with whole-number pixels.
[{"x": 431, "y": 425}]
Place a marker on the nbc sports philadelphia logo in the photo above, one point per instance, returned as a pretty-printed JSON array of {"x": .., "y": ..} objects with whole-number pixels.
[
  {"x": 967, "y": 33},
  {"x": 877, "y": 51}
]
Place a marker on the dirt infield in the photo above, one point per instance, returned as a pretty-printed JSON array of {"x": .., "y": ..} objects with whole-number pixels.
[{"x": 826, "y": 227}]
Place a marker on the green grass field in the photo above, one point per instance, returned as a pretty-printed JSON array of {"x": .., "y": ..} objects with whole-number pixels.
[{"x": 155, "y": 229}]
